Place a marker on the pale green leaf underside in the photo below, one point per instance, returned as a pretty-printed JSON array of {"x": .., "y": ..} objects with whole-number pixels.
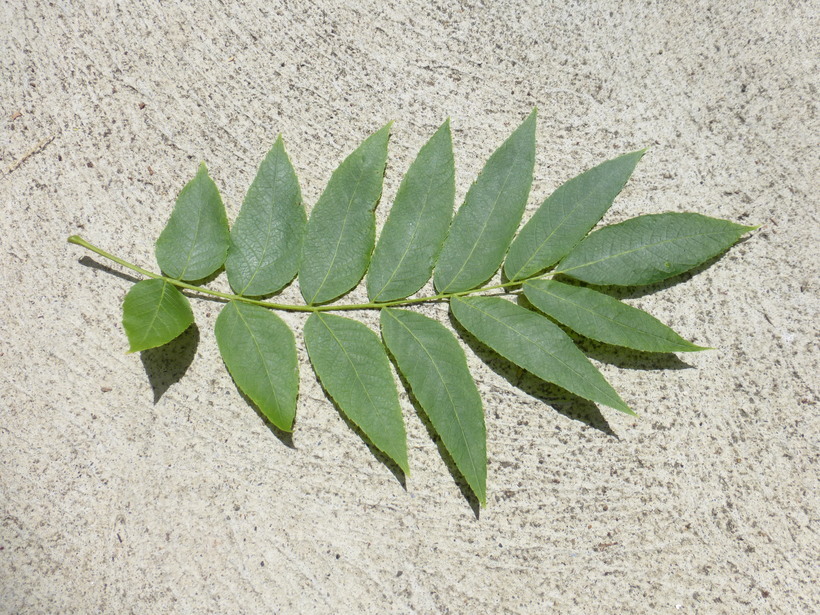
[
  {"x": 417, "y": 225},
  {"x": 649, "y": 248},
  {"x": 432, "y": 361},
  {"x": 259, "y": 351},
  {"x": 195, "y": 241},
  {"x": 485, "y": 224},
  {"x": 266, "y": 239},
  {"x": 566, "y": 216},
  {"x": 153, "y": 313},
  {"x": 603, "y": 318},
  {"x": 341, "y": 230},
  {"x": 536, "y": 344},
  {"x": 353, "y": 367}
]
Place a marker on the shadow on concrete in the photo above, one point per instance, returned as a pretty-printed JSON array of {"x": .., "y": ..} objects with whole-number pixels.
[
  {"x": 166, "y": 365},
  {"x": 458, "y": 477},
  {"x": 374, "y": 450}
]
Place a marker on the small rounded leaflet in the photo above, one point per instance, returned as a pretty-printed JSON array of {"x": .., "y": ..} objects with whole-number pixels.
[{"x": 153, "y": 313}]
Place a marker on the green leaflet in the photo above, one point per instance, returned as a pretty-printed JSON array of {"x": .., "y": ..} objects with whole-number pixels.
[
  {"x": 649, "y": 248},
  {"x": 567, "y": 216},
  {"x": 434, "y": 364},
  {"x": 153, "y": 313},
  {"x": 266, "y": 239},
  {"x": 195, "y": 241},
  {"x": 535, "y": 343},
  {"x": 603, "y": 318},
  {"x": 417, "y": 225},
  {"x": 485, "y": 224},
  {"x": 259, "y": 351},
  {"x": 341, "y": 230},
  {"x": 353, "y": 367}
]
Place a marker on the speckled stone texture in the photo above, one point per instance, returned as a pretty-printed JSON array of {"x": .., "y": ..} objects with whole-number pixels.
[{"x": 146, "y": 484}]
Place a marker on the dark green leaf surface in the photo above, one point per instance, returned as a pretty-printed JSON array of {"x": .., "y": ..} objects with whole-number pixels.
[
  {"x": 260, "y": 353},
  {"x": 417, "y": 225},
  {"x": 352, "y": 365},
  {"x": 485, "y": 224},
  {"x": 153, "y": 313},
  {"x": 649, "y": 248},
  {"x": 603, "y": 318},
  {"x": 341, "y": 231},
  {"x": 266, "y": 239},
  {"x": 435, "y": 367},
  {"x": 195, "y": 241},
  {"x": 535, "y": 343},
  {"x": 567, "y": 216}
]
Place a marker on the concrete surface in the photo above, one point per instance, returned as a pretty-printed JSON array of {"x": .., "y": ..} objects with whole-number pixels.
[{"x": 146, "y": 484}]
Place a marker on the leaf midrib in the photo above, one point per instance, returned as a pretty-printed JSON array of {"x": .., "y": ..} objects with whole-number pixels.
[
  {"x": 446, "y": 388},
  {"x": 409, "y": 243},
  {"x": 150, "y": 327},
  {"x": 271, "y": 212},
  {"x": 612, "y": 320},
  {"x": 341, "y": 234},
  {"x": 548, "y": 237},
  {"x": 261, "y": 356},
  {"x": 199, "y": 218},
  {"x": 639, "y": 248},
  {"x": 483, "y": 228},
  {"x": 355, "y": 371}
]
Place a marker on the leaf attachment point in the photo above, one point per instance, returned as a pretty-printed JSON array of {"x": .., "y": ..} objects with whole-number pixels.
[
  {"x": 649, "y": 249},
  {"x": 417, "y": 225},
  {"x": 535, "y": 343},
  {"x": 604, "y": 318},
  {"x": 195, "y": 241},
  {"x": 259, "y": 351},
  {"x": 341, "y": 230},
  {"x": 567, "y": 215},
  {"x": 266, "y": 239},
  {"x": 485, "y": 224}
]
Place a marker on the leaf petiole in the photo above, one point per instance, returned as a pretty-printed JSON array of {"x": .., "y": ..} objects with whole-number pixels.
[{"x": 77, "y": 240}]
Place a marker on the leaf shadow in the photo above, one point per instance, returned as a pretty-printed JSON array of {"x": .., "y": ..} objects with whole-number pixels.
[
  {"x": 167, "y": 364},
  {"x": 87, "y": 261},
  {"x": 285, "y": 437},
  {"x": 374, "y": 450},
  {"x": 206, "y": 280},
  {"x": 458, "y": 477},
  {"x": 562, "y": 401}
]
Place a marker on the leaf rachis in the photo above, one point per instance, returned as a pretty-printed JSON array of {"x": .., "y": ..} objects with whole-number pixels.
[{"x": 273, "y": 242}]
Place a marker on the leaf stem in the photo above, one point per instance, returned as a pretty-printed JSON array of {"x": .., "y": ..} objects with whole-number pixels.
[{"x": 77, "y": 240}]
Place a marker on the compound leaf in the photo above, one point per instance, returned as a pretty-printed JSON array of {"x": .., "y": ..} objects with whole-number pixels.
[
  {"x": 417, "y": 225},
  {"x": 649, "y": 248},
  {"x": 341, "y": 230},
  {"x": 434, "y": 364},
  {"x": 153, "y": 313},
  {"x": 485, "y": 224},
  {"x": 566, "y": 216},
  {"x": 604, "y": 318},
  {"x": 535, "y": 343},
  {"x": 353, "y": 367},
  {"x": 259, "y": 351},
  {"x": 195, "y": 241},
  {"x": 266, "y": 239}
]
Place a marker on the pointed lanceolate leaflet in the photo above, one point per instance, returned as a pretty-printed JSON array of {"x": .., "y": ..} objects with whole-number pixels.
[{"x": 273, "y": 241}]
